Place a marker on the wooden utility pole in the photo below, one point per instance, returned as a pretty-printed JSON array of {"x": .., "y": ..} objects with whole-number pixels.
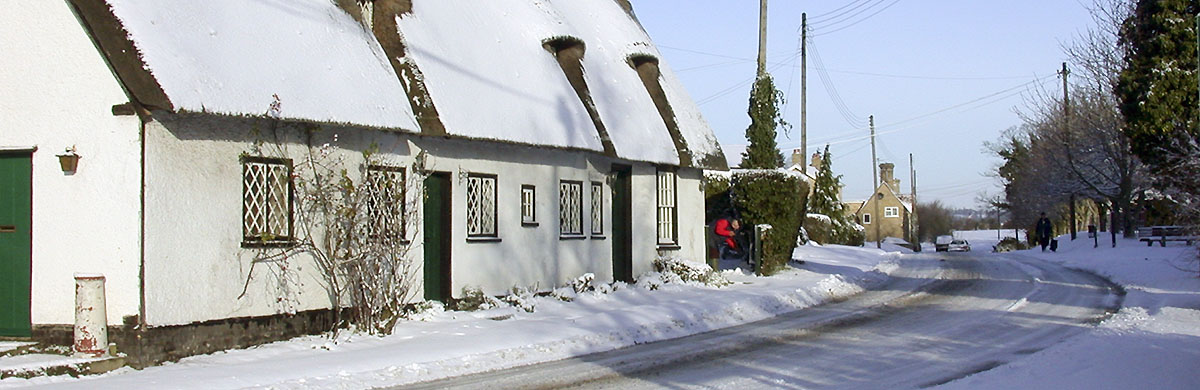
[
  {"x": 1070, "y": 141},
  {"x": 876, "y": 196},
  {"x": 912, "y": 219},
  {"x": 804, "y": 86},
  {"x": 762, "y": 38}
]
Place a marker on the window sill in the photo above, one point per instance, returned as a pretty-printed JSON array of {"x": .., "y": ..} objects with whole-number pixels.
[
  {"x": 483, "y": 239},
  {"x": 573, "y": 237},
  {"x": 599, "y": 237},
  {"x": 253, "y": 244},
  {"x": 669, "y": 247},
  {"x": 529, "y": 224}
]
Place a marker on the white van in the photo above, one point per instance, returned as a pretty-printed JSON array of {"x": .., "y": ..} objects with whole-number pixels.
[{"x": 942, "y": 243}]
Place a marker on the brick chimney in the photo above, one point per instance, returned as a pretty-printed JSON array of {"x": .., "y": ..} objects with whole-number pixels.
[
  {"x": 886, "y": 175},
  {"x": 797, "y": 158}
]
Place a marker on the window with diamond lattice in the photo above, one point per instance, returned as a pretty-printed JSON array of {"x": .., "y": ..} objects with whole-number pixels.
[
  {"x": 385, "y": 196},
  {"x": 266, "y": 201},
  {"x": 597, "y": 209},
  {"x": 481, "y": 205},
  {"x": 667, "y": 215},
  {"x": 570, "y": 208}
]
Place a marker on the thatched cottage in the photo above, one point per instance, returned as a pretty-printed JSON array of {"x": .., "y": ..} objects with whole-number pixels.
[{"x": 550, "y": 140}]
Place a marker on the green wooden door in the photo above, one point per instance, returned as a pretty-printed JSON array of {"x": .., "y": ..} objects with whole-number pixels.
[
  {"x": 436, "y": 226},
  {"x": 16, "y": 188},
  {"x": 622, "y": 208}
]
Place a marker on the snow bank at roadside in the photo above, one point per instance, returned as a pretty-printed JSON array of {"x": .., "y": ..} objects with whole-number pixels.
[{"x": 449, "y": 343}]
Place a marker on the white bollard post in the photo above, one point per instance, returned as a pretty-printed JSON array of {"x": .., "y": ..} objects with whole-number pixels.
[{"x": 91, "y": 319}]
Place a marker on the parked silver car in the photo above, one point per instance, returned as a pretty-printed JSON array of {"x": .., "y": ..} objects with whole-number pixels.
[{"x": 959, "y": 246}]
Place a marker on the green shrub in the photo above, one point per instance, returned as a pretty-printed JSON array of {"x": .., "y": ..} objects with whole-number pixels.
[
  {"x": 716, "y": 196},
  {"x": 819, "y": 228},
  {"x": 774, "y": 198}
]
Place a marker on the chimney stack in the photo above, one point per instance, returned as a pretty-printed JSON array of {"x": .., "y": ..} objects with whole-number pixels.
[{"x": 886, "y": 175}]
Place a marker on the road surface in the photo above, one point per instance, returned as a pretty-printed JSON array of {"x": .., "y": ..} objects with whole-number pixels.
[{"x": 940, "y": 317}]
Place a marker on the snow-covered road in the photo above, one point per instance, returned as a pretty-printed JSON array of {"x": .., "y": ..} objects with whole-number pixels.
[{"x": 934, "y": 321}]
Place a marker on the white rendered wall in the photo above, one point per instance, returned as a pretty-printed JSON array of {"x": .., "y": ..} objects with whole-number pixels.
[
  {"x": 196, "y": 267},
  {"x": 58, "y": 92},
  {"x": 526, "y": 256}
]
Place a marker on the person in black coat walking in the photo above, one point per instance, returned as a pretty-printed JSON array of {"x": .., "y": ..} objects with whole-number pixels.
[{"x": 1044, "y": 230}]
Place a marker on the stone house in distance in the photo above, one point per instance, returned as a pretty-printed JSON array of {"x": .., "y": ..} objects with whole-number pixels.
[
  {"x": 895, "y": 217},
  {"x": 551, "y": 138}
]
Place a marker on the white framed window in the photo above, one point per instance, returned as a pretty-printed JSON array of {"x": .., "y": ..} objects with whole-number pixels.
[
  {"x": 570, "y": 208},
  {"x": 667, "y": 214},
  {"x": 266, "y": 201},
  {"x": 889, "y": 212},
  {"x": 866, "y": 219},
  {"x": 597, "y": 209},
  {"x": 385, "y": 198},
  {"x": 481, "y": 205},
  {"x": 528, "y": 210}
]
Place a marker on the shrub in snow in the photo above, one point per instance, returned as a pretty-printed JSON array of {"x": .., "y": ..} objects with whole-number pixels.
[
  {"x": 425, "y": 311},
  {"x": 673, "y": 269},
  {"x": 776, "y": 198},
  {"x": 474, "y": 299},
  {"x": 583, "y": 283},
  {"x": 1010, "y": 244},
  {"x": 565, "y": 294},
  {"x": 522, "y": 298}
]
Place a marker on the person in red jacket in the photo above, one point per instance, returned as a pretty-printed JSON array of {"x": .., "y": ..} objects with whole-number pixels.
[{"x": 728, "y": 228}]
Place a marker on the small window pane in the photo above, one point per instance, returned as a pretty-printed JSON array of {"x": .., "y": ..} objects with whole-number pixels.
[
  {"x": 666, "y": 207},
  {"x": 597, "y": 209},
  {"x": 266, "y": 200},
  {"x": 481, "y": 205},
  {"x": 528, "y": 197},
  {"x": 385, "y": 202},
  {"x": 570, "y": 208}
]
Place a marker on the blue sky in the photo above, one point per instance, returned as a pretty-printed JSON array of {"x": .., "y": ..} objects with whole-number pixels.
[{"x": 940, "y": 77}]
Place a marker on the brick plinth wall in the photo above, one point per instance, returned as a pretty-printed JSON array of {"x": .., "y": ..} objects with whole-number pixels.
[{"x": 155, "y": 345}]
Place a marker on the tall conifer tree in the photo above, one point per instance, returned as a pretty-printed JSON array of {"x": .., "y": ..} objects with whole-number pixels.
[
  {"x": 762, "y": 151},
  {"x": 1158, "y": 85}
]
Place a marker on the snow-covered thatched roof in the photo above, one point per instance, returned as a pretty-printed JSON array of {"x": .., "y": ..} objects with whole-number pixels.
[
  {"x": 232, "y": 56},
  {"x": 479, "y": 69}
]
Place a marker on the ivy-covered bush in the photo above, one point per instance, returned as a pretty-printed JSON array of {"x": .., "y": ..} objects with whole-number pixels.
[
  {"x": 716, "y": 196},
  {"x": 819, "y": 228},
  {"x": 774, "y": 198}
]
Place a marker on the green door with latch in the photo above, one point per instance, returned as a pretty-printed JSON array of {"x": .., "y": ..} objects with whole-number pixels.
[
  {"x": 622, "y": 230},
  {"x": 436, "y": 226},
  {"x": 16, "y": 190}
]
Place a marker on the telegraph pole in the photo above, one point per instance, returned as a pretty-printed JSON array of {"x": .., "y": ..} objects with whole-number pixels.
[
  {"x": 1070, "y": 141},
  {"x": 762, "y": 38},
  {"x": 875, "y": 194},
  {"x": 912, "y": 219},
  {"x": 804, "y": 86}
]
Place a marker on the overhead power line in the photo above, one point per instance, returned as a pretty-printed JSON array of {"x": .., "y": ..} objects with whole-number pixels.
[
  {"x": 834, "y": 24},
  {"x": 856, "y": 133}
]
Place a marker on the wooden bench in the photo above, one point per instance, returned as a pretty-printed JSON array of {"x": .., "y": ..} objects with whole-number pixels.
[{"x": 1162, "y": 234}]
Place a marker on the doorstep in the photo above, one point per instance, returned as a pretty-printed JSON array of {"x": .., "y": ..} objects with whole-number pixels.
[{"x": 22, "y": 361}]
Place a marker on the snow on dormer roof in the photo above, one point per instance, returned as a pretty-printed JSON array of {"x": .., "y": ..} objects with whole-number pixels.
[{"x": 490, "y": 77}]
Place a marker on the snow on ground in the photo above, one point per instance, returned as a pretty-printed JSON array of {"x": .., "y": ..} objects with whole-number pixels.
[
  {"x": 1152, "y": 343},
  {"x": 446, "y": 343}
]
